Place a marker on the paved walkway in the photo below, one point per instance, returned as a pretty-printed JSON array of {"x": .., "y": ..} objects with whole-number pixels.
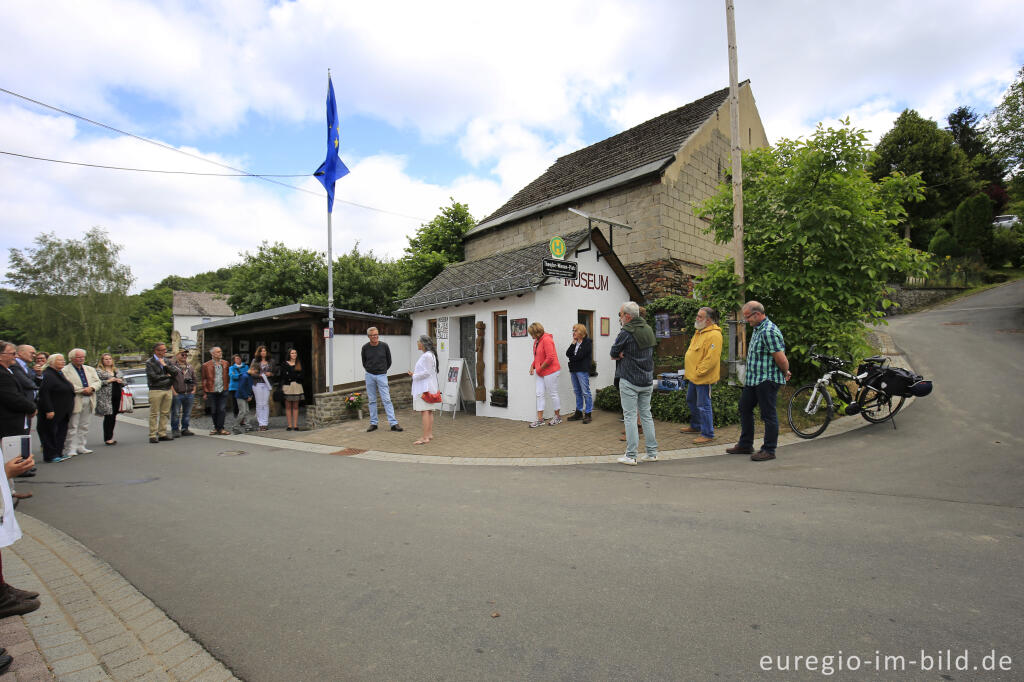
[{"x": 93, "y": 625}]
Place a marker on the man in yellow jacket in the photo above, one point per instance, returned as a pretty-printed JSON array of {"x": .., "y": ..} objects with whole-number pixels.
[{"x": 703, "y": 363}]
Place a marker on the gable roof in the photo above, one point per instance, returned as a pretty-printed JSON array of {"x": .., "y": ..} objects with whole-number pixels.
[
  {"x": 201, "y": 303},
  {"x": 641, "y": 150},
  {"x": 509, "y": 272}
]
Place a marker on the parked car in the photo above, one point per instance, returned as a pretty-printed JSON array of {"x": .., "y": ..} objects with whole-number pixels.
[
  {"x": 1006, "y": 221},
  {"x": 135, "y": 379}
]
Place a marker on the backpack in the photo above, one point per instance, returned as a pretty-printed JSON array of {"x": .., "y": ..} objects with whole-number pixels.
[{"x": 897, "y": 381}]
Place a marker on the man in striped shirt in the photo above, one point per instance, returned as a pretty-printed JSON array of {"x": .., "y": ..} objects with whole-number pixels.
[{"x": 767, "y": 370}]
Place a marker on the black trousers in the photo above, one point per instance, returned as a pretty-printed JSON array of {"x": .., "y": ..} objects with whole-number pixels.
[
  {"x": 108, "y": 426},
  {"x": 52, "y": 433},
  {"x": 217, "y": 403}
]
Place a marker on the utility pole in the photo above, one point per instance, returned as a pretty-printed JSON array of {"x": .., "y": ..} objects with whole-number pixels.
[{"x": 737, "y": 340}]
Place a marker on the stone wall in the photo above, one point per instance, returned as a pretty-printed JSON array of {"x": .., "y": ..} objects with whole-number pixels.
[
  {"x": 329, "y": 408},
  {"x": 664, "y": 277},
  {"x": 910, "y": 299}
]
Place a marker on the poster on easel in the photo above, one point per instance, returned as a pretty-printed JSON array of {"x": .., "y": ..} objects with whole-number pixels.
[{"x": 456, "y": 386}]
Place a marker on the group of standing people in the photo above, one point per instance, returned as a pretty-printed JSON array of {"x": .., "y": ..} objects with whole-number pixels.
[
  {"x": 173, "y": 383},
  {"x": 546, "y": 369}
]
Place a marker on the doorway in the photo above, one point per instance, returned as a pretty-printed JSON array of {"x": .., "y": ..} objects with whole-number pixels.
[{"x": 467, "y": 351}]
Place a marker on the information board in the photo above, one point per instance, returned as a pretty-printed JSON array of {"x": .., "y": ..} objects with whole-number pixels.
[{"x": 456, "y": 383}]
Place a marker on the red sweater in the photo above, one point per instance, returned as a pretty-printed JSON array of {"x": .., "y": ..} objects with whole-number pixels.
[{"x": 544, "y": 351}]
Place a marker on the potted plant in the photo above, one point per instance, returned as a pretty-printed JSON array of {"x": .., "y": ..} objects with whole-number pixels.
[
  {"x": 354, "y": 404},
  {"x": 499, "y": 397}
]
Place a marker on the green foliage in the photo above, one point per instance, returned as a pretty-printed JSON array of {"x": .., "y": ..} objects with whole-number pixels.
[
  {"x": 1008, "y": 244},
  {"x": 672, "y": 407},
  {"x": 944, "y": 244},
  {"x": 917, "y": 145},
  {"x": 1006, "y": 124},
  {"x": 151, "y": 317},
  {"x": 819, "y": 240},
  {"x": 218, "y": 281},
  {"x": 719, "y": 288},
  {"x": 976, "y": 145},
  {"x": 71, "y": 292},
  {"x": 275, "y": 276},
  {"x": 435, "y": 245},
  {"x": 972, "y": 226},
  {"x": 365, "y": 283},
  {"x": 684, "y": 306}
]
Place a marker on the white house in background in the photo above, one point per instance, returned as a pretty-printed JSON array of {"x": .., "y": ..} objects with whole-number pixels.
[
  {"x": 508, "y": 291},
  {"x": 190, "y": 308}
]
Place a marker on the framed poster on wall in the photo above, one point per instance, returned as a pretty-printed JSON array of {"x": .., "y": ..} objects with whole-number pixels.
[
  {"x": 243, "y": 345},
  {"x": 606, "y": 326},
  {"x": 518, "y": 326}
]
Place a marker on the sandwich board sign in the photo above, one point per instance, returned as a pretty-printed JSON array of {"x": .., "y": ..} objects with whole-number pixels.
[{"x": 456, "y": 383}]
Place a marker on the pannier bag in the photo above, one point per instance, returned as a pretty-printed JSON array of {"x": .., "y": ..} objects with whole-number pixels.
[{"x": 901, "y": 382}]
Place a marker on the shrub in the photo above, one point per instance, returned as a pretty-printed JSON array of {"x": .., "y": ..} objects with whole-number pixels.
[
  {"x": 944, "y": 244},
  {"x": 672, "y": 407}
]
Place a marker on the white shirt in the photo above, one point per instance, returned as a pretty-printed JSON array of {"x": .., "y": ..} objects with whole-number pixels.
[{"x": 424, "y": 376}]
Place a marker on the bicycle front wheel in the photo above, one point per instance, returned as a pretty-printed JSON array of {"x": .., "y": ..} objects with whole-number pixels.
[
  {"x": 809, "y": 411},
  {"x": 878, "y": 406}
]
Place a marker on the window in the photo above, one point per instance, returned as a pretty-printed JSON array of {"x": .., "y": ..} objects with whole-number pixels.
[
  {"x": 586, "y": 318},
  {"x": 501, "y": 349},
  {"x": 432, "y": 330}
]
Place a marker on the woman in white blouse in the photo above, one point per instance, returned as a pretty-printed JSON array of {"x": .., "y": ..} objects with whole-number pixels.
[{"x": 424, "y": 379}]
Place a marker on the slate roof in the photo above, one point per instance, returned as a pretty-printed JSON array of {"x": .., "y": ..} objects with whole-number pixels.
[
  {"x": 201, "y": 303},
  {"x": 654, "y": 142},
  {"x": 500, "y": 274}
]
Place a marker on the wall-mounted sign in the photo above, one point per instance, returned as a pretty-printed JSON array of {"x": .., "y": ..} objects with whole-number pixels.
[
  {"x": 588, "y": 280},
  {"x": 606, "y": 326},
  {"x": 518, "y": 326},
  {"x": 557, "y": 247},
  {"x": 566, "y": 269},
  {"x": 442, "y": 327}
]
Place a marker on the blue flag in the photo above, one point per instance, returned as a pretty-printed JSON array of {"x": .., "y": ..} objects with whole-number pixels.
[{"x": 332, "y": 169}]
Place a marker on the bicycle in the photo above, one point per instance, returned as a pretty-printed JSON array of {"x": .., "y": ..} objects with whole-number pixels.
[{"x": 812, "y": 407}]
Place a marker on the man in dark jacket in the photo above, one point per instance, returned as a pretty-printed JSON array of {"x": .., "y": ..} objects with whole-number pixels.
[
  {"x": 159, "y": 377},
  {"x": 376, "y": 362},
  {"x": 634, "y": 351},
  {"x": 15, "y": 407}
]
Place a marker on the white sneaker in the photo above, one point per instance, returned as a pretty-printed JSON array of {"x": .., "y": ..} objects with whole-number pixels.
[
  {"x": 539, "y": 422},
  {"x": 627, "y": 460},
  {"x": 85, "y": 451},
  {"x": 649, "y": 458},
  {"x": 555, "y": 420}
]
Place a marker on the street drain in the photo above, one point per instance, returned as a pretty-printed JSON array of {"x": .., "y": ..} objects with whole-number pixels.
[
  {"x": 349, "y": 451},
  {"x": 955, "y": 324},
  {"x": 232, "y": 453}
]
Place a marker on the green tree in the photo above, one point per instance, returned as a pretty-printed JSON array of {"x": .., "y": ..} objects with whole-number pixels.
[
  {"x": 275, "y": 276},
  {"x": 944, "y": 244},
  {"x": 819, "y": 239},
  {"x": 1006, "y": 124},
  {"x": 435, "y": 245},
  {"x": 917, "y": 145},
  {"x": 73, "y": 292},
  {"x": 972, "y": 227},
  {"x": 218, "y": 281},
  {"x": 151, "y": 317},
  {"x": 364, "y": 283},
  {"x": 964, "y": 126}
]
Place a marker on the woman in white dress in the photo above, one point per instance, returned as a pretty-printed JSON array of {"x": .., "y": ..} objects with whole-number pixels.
[{"x": 424, "y": 379}]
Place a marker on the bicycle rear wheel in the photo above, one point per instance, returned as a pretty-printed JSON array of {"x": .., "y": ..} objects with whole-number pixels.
[
  {"x": 808, "y": 416},
  {"x": 878, "y": 406}
]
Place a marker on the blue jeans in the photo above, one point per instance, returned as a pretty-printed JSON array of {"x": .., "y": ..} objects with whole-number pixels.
[
  {"x": 581, "y": 387},
  {"x": 637, "y": 399},
  {"x": 698, "y": 397},
  {"x": 763, "y": 395},
  {"x": 378, "y": 384},
  {"x": 218, "y": 403},
  {"x": 181, "y": 411}
]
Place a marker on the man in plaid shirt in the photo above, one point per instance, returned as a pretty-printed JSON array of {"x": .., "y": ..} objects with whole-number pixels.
[{"x": 767, "y": 369}]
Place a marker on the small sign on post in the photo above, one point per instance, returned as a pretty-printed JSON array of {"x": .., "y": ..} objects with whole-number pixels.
[
  {"x": 566, "y": 269},
  {"x": 328, "y": 332}
]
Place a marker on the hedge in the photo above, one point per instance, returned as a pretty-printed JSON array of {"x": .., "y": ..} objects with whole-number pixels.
[{"x": 672, "y": 407}]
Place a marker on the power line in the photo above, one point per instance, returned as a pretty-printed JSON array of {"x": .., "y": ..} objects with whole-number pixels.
[
  {"x": 150, "y": 170},
  {"x": 266, "y": 178}
]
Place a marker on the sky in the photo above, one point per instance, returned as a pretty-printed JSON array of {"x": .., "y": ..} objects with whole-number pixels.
[{"x": 437, "y": 101}]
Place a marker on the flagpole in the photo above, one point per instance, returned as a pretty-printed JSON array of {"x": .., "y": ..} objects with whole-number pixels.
[{"x": 330, "y": 309}]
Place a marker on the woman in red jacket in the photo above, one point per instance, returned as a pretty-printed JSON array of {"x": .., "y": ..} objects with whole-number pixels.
[{"x": 545, "y": 368}]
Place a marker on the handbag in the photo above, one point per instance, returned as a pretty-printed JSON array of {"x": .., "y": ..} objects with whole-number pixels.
[
  {"x": 429, "y": 397},
  {"x": 127, "y": 402},
  {"x": 293, "y": 388}
]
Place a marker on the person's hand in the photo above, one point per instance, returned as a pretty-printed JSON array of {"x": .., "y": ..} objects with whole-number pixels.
[
  {"x": 410, "y": 372},
  {"x": 49, "y": 415},
  {"x": 531, "y": 371},
  {"x": 18, "y": 466}
]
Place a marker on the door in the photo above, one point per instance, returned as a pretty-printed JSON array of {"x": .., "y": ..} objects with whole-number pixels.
[{"x": 467, "y": 351}]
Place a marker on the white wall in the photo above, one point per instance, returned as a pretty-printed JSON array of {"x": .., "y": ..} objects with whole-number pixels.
[
  {"x": 348, "y": 364},
  {"x": 555, "y": 306},
  {"x": 183, "y": 324}
]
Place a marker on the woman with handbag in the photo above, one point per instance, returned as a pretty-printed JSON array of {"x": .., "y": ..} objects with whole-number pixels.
[
  {"x": 291, "y": 385},
  {"x": 424, "y": 386},
  {"x": 108, "y": 398},
  {"x": 262, "y": 370}
]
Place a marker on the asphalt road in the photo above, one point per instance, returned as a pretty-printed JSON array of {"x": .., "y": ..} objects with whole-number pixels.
[{"x": 302, "y": 566}]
